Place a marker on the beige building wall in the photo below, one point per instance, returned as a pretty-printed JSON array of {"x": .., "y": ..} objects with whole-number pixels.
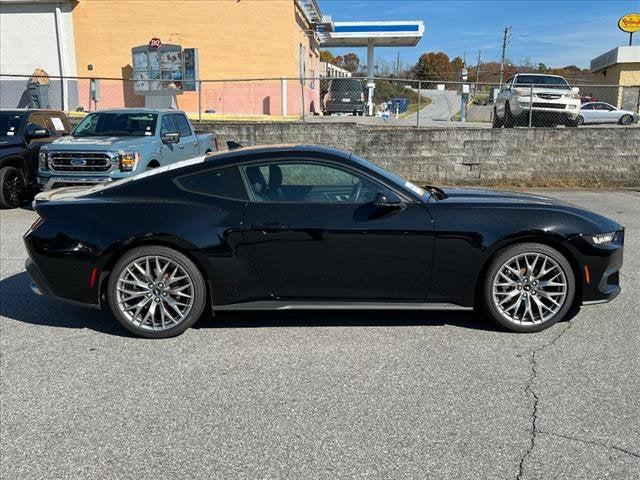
[{"x": 236, "y": 39}]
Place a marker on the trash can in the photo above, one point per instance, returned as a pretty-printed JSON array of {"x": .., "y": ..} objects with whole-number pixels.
[
  {"x": 398, "y": 105},
  {"x": 39, "y": 95}
]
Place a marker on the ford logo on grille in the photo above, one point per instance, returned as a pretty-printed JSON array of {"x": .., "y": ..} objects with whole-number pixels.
[{"x": 78, "y": 162}]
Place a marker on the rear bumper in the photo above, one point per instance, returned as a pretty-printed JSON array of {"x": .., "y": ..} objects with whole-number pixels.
[{"x": 344, "y": 107}]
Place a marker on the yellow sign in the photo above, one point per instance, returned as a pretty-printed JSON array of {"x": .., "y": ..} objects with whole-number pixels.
[{"x": 630, "y": 23}]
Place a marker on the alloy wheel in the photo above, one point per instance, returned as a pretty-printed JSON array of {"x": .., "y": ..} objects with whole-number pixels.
[
  {"x": 154, "y": 293},
  {"x": 529, "y": 288},
  {"x": 13, "y": 187}
]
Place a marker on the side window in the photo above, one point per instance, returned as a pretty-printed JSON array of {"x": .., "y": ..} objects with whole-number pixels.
[
  {"x": 221, "y": 182},
  {"x": 302, "y": 182},
  {"x": 167, "y": 125},
  {"x": 38, "y": 119},
  {"x": 182, "y": 124}
]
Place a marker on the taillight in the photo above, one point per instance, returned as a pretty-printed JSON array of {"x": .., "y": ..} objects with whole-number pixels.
[{"x": 35, "y": 225}]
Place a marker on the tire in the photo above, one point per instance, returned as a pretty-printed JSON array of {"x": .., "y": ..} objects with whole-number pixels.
[
  {"x": 502, "y": 289},
  {"x": 626, "y": 120},
  {"x": 173, "y": 312},
  {"x": 579, "y": 120},
  {"x": 12, "y": 187},
  {"x": 496, "y": 122},
  {"x": 509, "y": 121},
  {"x": 571, "y": 123}
]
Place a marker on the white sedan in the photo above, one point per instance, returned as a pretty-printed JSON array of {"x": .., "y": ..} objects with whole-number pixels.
[{"x": 601, "y": 112}]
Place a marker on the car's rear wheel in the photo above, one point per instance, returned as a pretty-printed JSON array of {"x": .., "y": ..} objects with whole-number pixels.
[
  {"x": 528, "y": 287},
  {"x": 12, "y": 187},
  {"x": 156, "y": 292},
  {"x": 626, "y": 120},
  {"x": 580, "y": 120}
]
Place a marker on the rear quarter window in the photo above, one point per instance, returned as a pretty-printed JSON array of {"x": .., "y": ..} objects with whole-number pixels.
[{"x": 220, "y": 182}]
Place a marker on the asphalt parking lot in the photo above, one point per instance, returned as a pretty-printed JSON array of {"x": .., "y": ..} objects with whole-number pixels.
[{"x": 320, "y": 394}]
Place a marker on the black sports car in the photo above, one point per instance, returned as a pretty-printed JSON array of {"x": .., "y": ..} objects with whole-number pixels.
[{"x": 308, "y": 227}]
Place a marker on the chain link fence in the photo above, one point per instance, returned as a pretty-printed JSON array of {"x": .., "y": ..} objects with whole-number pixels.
[{"x": 385, "y": 101}]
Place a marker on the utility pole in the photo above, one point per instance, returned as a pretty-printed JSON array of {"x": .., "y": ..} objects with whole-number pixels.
[
  {"x": 398, "y": 65},
  {"x": 478, "y": 71},
  {"x": 505, "y": 42}
]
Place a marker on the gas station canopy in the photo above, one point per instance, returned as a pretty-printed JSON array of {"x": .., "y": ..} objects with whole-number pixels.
[{"x": 379, "y": 34}]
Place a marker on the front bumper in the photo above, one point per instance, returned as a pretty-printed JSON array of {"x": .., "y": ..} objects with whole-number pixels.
[
  {"x": 599, "y": 268},
  {"x": 568, "y": 108},
  {"x": 48, "y": 183}
]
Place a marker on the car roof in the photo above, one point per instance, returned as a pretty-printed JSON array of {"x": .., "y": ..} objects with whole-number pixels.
[
  {"x": 538, "y": 74},
  {"x": 30, "y": 110},
  {"x": 139, "y": 110}
]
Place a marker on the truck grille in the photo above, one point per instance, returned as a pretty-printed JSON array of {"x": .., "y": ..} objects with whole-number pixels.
[
  {"x": 548, "y": 96},
  {"x": 557, "y": 106},
  {"x": 79, "y": 162}
]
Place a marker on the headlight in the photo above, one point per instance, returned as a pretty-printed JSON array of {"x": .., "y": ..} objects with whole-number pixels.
[
  {"x": 523, "y": 92},
  {"x": 128, "y": 160},
  {"x": 42, "y": 161},
  {"x": 603, "y": 238}
]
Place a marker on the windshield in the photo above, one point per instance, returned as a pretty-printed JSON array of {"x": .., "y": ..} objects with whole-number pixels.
[
  {"x": 121, "y": 124},
  {"x": 551, "y": 82},
  {"x": 9, "y": 123},
  {"x": 346, "y": 85}
]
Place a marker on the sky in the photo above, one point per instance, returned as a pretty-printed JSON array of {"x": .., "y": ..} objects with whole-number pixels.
[{"x": 556, "y": 33}]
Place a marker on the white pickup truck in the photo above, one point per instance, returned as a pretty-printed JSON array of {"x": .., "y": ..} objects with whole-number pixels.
[{"x": 548, "y": 99}]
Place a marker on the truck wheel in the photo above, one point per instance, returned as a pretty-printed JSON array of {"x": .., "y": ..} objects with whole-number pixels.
[
  {"x": 497, "y": 123},
  {"x": 509, "y": 121},
  {"x": 12, "y": 187}
]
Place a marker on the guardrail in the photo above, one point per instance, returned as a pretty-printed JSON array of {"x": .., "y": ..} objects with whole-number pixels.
[{"x": 391, "y": 101}]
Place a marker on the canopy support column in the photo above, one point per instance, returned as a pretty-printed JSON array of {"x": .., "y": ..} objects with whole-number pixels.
[{"x": 370, "y": 71}]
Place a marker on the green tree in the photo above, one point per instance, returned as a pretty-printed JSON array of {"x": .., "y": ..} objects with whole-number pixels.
[
  {"x": 457, "y": 64},
  {"x": 351, "y": 62}
]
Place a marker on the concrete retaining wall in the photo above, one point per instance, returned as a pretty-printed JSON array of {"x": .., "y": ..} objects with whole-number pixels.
[{"x": 538, "y": 156}]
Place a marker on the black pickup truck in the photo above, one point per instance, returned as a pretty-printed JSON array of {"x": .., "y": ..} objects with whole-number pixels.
[{"x": 22, "y": 133}]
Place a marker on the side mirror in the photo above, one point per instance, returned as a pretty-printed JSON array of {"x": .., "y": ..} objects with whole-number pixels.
[
  {"x": 36, "y": 131},
  {"x": 387, "y": 200},
  {"x": 575, "y": 90},
  {"x": 168, "y": 138}
]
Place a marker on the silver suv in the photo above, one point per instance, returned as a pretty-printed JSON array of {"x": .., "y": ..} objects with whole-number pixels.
[{"x": 549, "y": 99}]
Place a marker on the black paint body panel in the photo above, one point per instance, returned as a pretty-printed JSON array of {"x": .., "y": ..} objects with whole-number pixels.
[{"x": 426, "y": 251}]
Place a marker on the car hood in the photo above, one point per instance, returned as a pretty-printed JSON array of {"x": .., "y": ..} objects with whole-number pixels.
[
  {"x": 481, "y": 195},
  {"x": 6, "y": 142},
  {"x": 96, "y": 143},
  {"x": 497, "y": 198}
]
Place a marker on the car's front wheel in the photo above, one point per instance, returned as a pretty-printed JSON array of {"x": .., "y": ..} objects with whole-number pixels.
[
  {"x": 156, "y": 292},
  {"x": 496, "y": 122},
  {"x": 626, "y": 120},
  {"x": 12, "y": 187},
  {"x": 528, "y": 287}
]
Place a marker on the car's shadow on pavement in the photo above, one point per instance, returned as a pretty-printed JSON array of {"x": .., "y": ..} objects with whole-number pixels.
[{"x": 20, "y": 304}]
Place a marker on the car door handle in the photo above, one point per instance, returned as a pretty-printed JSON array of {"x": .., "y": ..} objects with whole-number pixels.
[
  {"x": 180, "y": 146},
  {"x": 269, "y": 227},
  {"x": 195, "y": 144}
]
